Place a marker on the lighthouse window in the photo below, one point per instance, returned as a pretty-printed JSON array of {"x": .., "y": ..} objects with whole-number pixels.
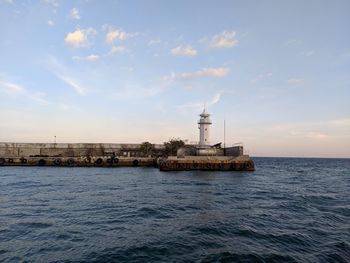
[{"x": 205, "y": 129}]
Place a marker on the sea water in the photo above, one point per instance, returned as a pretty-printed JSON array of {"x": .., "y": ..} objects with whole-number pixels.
[{"x": 288, "y": 210}]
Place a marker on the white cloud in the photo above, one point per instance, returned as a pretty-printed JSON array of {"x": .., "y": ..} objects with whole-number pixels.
[
  {"x": 74, "y": 14},
  {"x": 92, "y": 57},
  {"x": 80, "y": 37},
  {"x": 50, "y": 23},
  {"x": 72, "y": 83},
  {"x": 205, "y": 72},
  {"x": 224, "y": 40},
  {"x": 117, "y": 49},
  {"x": 295, "y": 82},
  {"x": 186, "y": 51},
  {"x": 116, "y": 35}
]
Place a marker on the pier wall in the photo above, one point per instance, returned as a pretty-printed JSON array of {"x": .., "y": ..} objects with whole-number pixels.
[{"x": 74, "y": 149}]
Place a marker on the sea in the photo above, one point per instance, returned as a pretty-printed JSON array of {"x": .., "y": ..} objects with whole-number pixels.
[{"x": 288, "y": 210}]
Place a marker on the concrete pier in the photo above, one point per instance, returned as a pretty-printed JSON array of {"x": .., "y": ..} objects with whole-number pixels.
[
  {"x": 118, "y": 155},
  {"x": 207, "y": 163},
  {"x": 96, "y": 161}
]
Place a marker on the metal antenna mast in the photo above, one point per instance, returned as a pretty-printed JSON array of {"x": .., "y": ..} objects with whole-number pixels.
[{"x": 224, "y": 137}]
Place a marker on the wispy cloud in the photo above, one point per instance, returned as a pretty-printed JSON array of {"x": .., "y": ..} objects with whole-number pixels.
[
  {"x": 197, "y": 106},
  {"x": 53, "y": 3},
  {"x": 11, "y": 88},
  {"x": 186, "y": 51},
  {"x": 215, "y": 99},
  {"x": 95, "y": 57},
  {"x": 15, "y": 89},
  {"x": 205, "y": 72},
  {"x": 135, "y": 91},
  {"x": 308, "y": 53},
  {"x": 8, "y": 1},
  {"x": 261, "y": 77},
  {"x": 316, "y": 135},
  {"x": 295, "y": 82},
  {"x": 50, "y": 23},
  {"x": 117, "y": 49},
  {"x": 91, "y": 57},
  {"x": 65, "y": 75},
  {"x": 130, "y": 69},
  {"x": 80, "y": 37},
  {"x": 73, "y": 83},
  {"x": 224, "y": 40},
  {"x": 294, "y": 41},
  {"x": 153, "y": 42},
  {"x": 74, "y": 14},
  {"x": 322, "y": 130}
]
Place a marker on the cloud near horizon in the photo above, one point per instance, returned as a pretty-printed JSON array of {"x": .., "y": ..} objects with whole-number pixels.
[
  {"x": 11, "y": 88},
  {"x": 15, "y": 89}
]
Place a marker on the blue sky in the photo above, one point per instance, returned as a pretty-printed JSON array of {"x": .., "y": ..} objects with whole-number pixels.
[{"x": 116, "y": 71}]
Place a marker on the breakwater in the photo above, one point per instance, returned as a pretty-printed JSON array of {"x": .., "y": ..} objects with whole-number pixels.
[{"x": 207, "y": 163}]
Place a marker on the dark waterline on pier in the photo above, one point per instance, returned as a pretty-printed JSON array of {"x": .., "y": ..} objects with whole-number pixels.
[{"x": 288, "y": 210}]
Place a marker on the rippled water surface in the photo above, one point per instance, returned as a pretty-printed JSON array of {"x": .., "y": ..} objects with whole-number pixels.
[{"x": 289, "y": 210}]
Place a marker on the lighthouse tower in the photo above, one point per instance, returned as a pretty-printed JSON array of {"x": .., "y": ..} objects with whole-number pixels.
[{"x": 203, "y": 125}]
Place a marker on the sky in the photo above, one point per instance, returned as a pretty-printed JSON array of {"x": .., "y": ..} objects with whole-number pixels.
[{"x": 277, "y": 73}]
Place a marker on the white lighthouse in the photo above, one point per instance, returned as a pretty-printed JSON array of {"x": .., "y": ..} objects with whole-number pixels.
[{"x": 203, "y": 125}]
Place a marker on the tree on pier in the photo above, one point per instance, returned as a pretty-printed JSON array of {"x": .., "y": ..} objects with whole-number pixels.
[
  {"x": 147, "y": 148},
  {"x": 173, "y": 145}
]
